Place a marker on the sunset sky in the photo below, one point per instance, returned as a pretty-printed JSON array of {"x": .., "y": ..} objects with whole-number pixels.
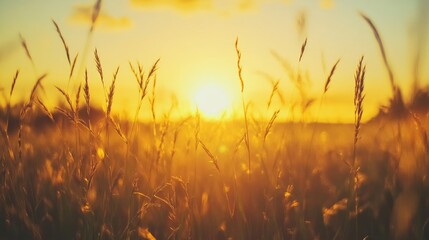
[{"x": 195, "y": 41}]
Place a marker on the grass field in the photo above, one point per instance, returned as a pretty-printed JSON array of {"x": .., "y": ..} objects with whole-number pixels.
[{"x": 77, "y": 171}]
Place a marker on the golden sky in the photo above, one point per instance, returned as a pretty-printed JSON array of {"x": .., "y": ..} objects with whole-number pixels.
[{"x": 195, "y": 41}]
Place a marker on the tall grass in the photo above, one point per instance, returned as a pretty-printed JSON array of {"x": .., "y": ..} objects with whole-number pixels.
[
  {"x": 358, "y": 104},
  {"x": 243, "y": 102},
  {"x": 193, "y": 179},
  {"x": 397, "y": 106}
]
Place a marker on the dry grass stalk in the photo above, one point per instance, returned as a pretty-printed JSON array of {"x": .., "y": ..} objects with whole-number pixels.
[
  {"x": 27, "y": 52},
  {"x": 77, "y": 121},
  {"x": 270, "y": 124},
  {"x": 99, "y": 68},
  {"x": 28, "y": 105},
  {"x": 73, "y": 114},
  {"x": 13, "y": 83},
  {"x": 76, "y": 117},
  {"x": 149, "y": 76},
  {"x": 78, "y": 99},
  {"x": 67, "y": 97},
  {"x": 118, "y": 129},
  {"x": 212, "y": 157},
  {"x": 109, "y": 103},
  {"x": 197, "y": 128},
  {"x": 140, "y": 78},
  {"x": 246, "y": 135},
  {"x": 240, "y": 69},
  {"x": 358, "y": 102},
  {"x": 383, "y": 52},
  {"x": 176, "y": 136},
  {"x": 36, "y": 86},
  {"x": 300, "y": 82},
  {"x": 161, "y": 144},
  {"x": 24, "y": 111},
  {"x": 152, "y": 105},
  {"x": 44, "y": 109},
  {"x": 95, "y": 13},
  {"x": 111, "y": 92},
  {"x": 73, "y": 66},
  {"x": 354, "y": 170},
  {"x": 302, "y": 49},
  {"x": 274, "y": 90},
  {"x": 63, "y": 41},
  {"x": 138, "y": 75},
  {"x": 325, "y": 89},
  {"x": 153, "y": 69},
  {"x": 87, "y": 94},
  {"x": 142, "y": 90},
  {"x": 152, "y": 99},
  {"x": 66, "y": 113},
  {"x": 8, "y": 110},
  {"x": 328, "y": 80}
]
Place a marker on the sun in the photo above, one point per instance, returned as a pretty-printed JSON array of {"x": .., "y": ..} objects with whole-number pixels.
[{"x": 212, "y": 100}]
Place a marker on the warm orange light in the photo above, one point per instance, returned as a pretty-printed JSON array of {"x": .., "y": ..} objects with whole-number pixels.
[{"x": 212, "y": 100}]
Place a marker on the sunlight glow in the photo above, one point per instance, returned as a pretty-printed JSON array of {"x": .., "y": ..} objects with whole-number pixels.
[{"x": 212, "y": 100}]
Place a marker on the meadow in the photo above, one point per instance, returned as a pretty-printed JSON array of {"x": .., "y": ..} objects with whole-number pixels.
[{"x": 77, "y": 171}]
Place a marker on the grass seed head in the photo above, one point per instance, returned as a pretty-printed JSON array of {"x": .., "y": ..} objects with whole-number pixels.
[
  {"x": 66, "y": 48},
  {"x": 328, "y": 80}
]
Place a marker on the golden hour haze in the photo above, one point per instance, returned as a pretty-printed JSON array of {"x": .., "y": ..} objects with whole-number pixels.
[{"x": 214, "y": 119}]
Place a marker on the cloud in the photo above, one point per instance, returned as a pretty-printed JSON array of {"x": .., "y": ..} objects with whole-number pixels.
[
  {"x": 220, "y": 6},
  {"x": 183, "y": 5},
  {"x": 82, "y": 15}
]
